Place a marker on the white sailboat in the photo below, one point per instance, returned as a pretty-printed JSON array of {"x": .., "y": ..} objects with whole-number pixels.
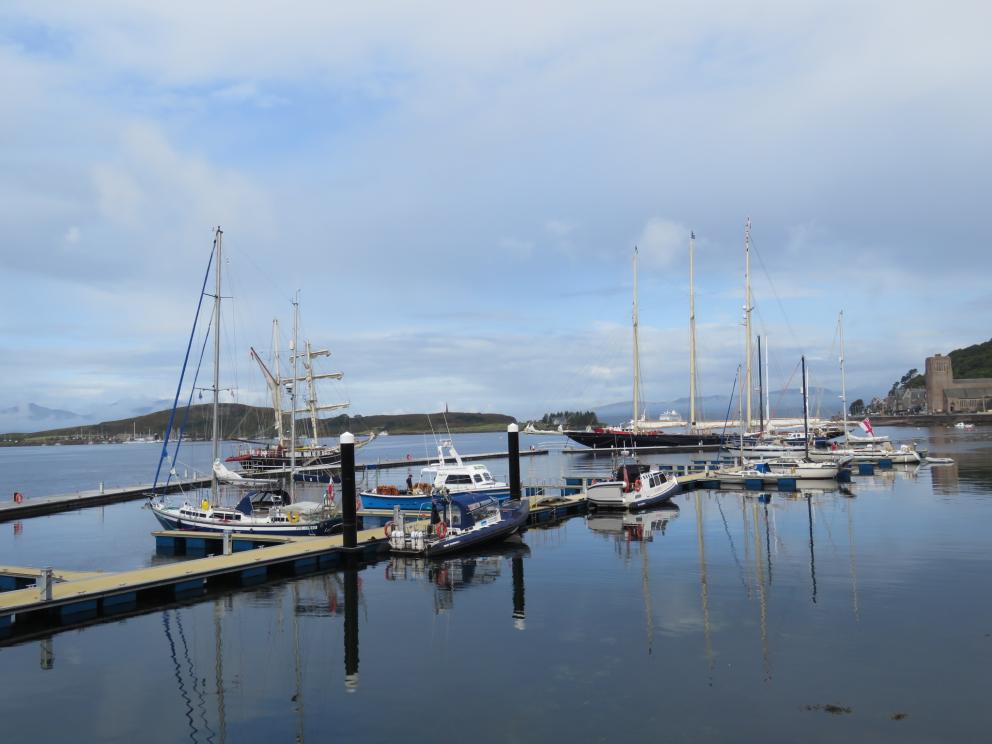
[{"x": 268, "y": 511}]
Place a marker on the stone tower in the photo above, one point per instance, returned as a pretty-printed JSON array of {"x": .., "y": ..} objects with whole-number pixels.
[{"x": 940, "y": 376}]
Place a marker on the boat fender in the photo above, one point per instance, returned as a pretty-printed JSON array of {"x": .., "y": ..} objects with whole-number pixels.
[
  {"x": 637, "y": 485},
  {"x": 388, "y": 529},
  {"x": 18, "y": 497},
  {"x": 204, "y": 505},
  {"x": 441, "y": 529},
  {"x": 294, "y": 517},
  {"x": 330, "y": 493}
]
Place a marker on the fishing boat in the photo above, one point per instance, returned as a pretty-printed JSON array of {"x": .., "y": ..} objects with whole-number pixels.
[
  {"x": 448, "y": 473},
  {"x": 269, "y": 511},
  {"x": 458, "y": 522},
  {"x": 633, "y": 486}
]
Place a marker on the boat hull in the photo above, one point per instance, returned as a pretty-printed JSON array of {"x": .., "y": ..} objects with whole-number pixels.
[
  {"x": 300, "y": 529},
  {"x": 420, "y": 501},
  {"x": 611, "y": 495},
  {"x": 514, "y": 517},
  {"x": 617, "y": 439}
]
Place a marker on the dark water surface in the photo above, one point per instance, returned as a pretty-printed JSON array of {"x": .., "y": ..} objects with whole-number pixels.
[{"x": 823, "y": 616}]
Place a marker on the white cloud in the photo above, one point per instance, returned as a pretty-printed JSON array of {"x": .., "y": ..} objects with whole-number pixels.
[{"x": 662, "y": 242}]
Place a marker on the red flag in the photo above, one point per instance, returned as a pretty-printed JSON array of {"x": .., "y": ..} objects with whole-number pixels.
[{"x": 866, "y": 425}]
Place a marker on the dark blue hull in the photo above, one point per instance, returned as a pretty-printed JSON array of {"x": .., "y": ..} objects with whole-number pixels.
[{"x": 514, "y": 517}]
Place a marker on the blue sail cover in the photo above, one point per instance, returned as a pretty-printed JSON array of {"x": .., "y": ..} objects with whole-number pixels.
[{"x": 244, "y": 506}]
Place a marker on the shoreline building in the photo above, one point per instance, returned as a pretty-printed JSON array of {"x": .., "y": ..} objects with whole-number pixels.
[{"x": 947, "y": 395}]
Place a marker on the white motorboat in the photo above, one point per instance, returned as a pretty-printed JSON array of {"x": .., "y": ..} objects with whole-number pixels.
[{"x": 633, "y": 487}]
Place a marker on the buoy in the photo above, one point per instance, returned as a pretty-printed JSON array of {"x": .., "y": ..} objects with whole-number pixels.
[
  {"x": 18, "y": 497},
  {"x": 388, "y": 529},
  {"x": 441, "y": 529},
  {"x": 409, "y": 456}
]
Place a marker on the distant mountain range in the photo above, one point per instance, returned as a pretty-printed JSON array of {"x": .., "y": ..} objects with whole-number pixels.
[
  {"x": 31, "y": 417},
  {"x": 239, "y": 421},
  {"x": 714, "y": 407}
]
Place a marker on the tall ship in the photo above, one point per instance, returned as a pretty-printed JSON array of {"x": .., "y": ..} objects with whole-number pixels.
[
  {"x": 278, "y": 455},
  {"x": 662, "y": 433}
]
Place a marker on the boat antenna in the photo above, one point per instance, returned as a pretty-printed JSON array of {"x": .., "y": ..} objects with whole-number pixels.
[{"x": 218, "y": 236}]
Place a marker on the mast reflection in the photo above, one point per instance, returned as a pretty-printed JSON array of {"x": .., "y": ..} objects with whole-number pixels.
[
  {"x": 351, "y": 624},
  {"x": 471, "y": 568}
]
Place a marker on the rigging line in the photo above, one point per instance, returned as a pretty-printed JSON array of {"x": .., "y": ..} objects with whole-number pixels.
[
  {"x": 193, "y": 731},
  {"x": 778, "y": 299},
  {"x": 726, "y": 419},
  {"x": 733, "y": 550},
  {"x": 189, "y": 402},
  {"x": 172, "y": 416},
  {"x": 782, "y": 391},
  {"x": 201, "y": 702}
]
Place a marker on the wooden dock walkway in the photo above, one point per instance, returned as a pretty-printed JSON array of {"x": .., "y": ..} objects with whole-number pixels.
[{"x": 89, "y": 594}]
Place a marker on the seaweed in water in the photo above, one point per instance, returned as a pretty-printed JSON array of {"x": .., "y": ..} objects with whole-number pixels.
[{"x": 836, "y": 710}]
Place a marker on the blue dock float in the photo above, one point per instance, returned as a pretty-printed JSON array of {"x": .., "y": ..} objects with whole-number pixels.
[
  {"x": 786, "y": 484},
  {"x": 119, "y": 602},
  {"x": 844, "y": 475},
  {"x": 754, "y": 484},
  {"x": 866, "y": 468},
  {"x": 254, "y": 575},
  {"x": 87, "y": 608},
  {"x": 885, "y": 463}
]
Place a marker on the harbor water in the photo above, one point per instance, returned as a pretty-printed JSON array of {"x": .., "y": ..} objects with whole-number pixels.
[{"x": 860, "y": 613}]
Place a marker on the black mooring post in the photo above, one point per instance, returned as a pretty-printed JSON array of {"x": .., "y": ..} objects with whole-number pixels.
[
  {"x": 349, "y": 522},
  {"x": 351, "y": 623},
  {"x": 517, "y": 562},
  {"x": 513, "y": 449}
]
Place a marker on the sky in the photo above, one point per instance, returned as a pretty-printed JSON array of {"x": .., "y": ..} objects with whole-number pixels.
[{"x": 455, "y": 190}]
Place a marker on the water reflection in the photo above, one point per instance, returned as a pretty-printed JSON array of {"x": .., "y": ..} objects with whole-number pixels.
[
  {"x": 628, "y": 527},
  {"x": 472, "y": 568}
]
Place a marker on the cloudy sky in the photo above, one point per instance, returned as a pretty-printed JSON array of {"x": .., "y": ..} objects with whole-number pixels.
[{"x": 456, "y": 188}]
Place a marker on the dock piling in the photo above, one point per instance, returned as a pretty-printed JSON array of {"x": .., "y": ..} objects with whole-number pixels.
[
  {"x": 349, "y": 525},
  {"x": 45, "y": 584},
  {"x": 227, "y": 541},
  {"x": 513, "y": 450}
]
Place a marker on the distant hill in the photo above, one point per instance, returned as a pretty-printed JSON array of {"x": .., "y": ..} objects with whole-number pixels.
[
  {"x": 972, "y": 361},
  {"x": 240, "y": 421}
]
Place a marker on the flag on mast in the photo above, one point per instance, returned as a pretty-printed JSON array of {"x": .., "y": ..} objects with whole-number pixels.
[{"x": 866, "y": 425}]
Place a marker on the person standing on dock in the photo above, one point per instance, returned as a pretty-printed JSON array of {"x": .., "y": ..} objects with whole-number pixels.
[{"x": 409, "y": 482}]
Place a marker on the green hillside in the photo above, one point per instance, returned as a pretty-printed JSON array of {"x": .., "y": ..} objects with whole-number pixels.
[
  {"x": 239, "y": 421},
  {"x": 972, "y": 361}
]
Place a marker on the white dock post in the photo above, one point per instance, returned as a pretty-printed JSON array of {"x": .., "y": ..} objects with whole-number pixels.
[
  {"x": 45, "y": 585},
  {"x": 227, "y": 541},
  {"x": 101, "y": 486}
]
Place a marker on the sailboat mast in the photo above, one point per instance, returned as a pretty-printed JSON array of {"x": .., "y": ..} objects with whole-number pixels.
[
  {"x": 311, "y": 393},
  {"x": 692, "y": 332},
  {"x": 768, "y": 390},
  {"x": 805, "y": 410},
  {"x": 747, "y": 316},
  {"x": 277, "y": 391},
  {"x": 843, "y": 376},
  {"x": 637, "y": 370},
  {"x": 292, "y": 419},
  {"x": 215, "y": 438}
]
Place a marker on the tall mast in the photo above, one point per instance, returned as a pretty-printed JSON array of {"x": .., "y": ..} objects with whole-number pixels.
[
  {"x": 311, "y": 393},
  {"x": 768, "y": 390},
  {"x": 277, "y": 389},
  {"x": 218, "y": 236},
  {"x": 692, "y": 333},
  {"x": 843, "y": 376},
  {"x": 637, "y": 369},
  {"x": 747, "y": 316},
  {"x": 292, "y": 420},
  {"x": 805, "y": 410}
]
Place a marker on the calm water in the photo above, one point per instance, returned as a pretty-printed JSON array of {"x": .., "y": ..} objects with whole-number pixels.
[{"x": 863, "y": 616}]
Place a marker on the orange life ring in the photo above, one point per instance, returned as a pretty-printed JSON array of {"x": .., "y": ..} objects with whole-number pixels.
[
  {"x": 441, "y": 529},
  {"x": 388, "y": 528}
]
